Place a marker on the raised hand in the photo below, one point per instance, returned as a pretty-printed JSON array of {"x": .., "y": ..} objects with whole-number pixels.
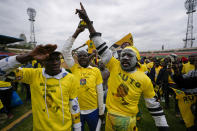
[
  {"x": 42, "y": 52},
  {"x": 82, "y": 13},
  {"x": 78, "y": 31}
]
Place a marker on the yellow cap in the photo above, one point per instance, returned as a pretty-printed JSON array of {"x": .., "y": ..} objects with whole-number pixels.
[
  {"x": 128, "y": 38},
  {"x": 134, "y": 49}
]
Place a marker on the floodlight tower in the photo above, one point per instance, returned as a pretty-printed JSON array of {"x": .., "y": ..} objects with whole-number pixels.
[
  {"x": 190, "y": 6},
  {"x": 32, "y": 14}
]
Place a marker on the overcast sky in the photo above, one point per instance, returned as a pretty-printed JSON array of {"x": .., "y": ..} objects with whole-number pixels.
[{"x": 151, "y": 22}]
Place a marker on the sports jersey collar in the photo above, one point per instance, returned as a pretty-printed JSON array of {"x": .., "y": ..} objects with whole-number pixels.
[
  {"x": 62, "y": 74},
  {"x": 86, "y": 67}
]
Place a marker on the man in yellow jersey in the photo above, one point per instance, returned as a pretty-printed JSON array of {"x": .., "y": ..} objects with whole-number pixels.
[
  {"x": 155, "y": 71},
  {"x": 90, "y": 91},
  {"x": 53, "y": 90},
  {"x": 125, "y": 86},
  {"x": 187, "y": 83},
  {"x": 188, "y": 66}
]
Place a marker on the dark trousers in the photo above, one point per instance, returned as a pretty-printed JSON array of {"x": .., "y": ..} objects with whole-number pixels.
[
  {"x": 5, "y": 96},
  {"x": 91, "y": 119}
]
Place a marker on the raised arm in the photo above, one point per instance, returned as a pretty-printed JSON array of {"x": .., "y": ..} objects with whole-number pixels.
[
  {"x": 40, "y": 53},
  {"x": 66, "y": 51},
  {"x": 79, "y": 47},
  {"x": 101, "y": 45}
]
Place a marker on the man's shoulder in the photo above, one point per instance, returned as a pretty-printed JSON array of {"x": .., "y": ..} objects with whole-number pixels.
[{"x": 140, "y": 75}]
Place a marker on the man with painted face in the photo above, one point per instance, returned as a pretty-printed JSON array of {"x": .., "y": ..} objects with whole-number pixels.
[
  {"x": 53, "y": 90},
  {"x": 90, "y": 91},
  {"x": 125, "y": 86}
]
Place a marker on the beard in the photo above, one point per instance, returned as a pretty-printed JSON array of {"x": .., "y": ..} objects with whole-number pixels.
[{"x": 130, "y": 65}]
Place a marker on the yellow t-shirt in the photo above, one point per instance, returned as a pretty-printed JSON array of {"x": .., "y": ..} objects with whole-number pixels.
[
  {"x": 91, "y": 46},
  {"x": 41, "y": 121},
  {"x": 142, "y": 68},
  {"x": 184, "y": 103},
  {"x": 125, "y": 89},
  {"x": 187, "y": 67},
  {"x": 4, "y": 84},
  {"x": 88, "y": 79},
  {"x": 150, "y": 65}
]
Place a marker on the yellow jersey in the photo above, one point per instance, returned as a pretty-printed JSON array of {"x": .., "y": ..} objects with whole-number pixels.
[
  {"x": 187, "y": 67},
  {"x": 91, "y": 46},
  {"x": 125, "y": 89},
  {"x": 142, "y": 68},
  {"x": 184, "y": 103},
  {"x": 88, "y": 79},
  {"x": 54, "y": 89},
  {"x": 150, "y": 65}
]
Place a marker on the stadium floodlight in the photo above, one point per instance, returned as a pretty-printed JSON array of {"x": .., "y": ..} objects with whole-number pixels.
[
  {"x": 32, "y": 14},
  {"x": 190, "y": 6}
]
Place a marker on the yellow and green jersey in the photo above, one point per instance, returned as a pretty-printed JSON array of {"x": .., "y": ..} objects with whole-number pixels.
[
  {"x": 91, "y": 46},
  {"x": 184, "y": 103},
  {"x": 55, "y": 91},
  {"x": 88, "y": 79},
  {"x": 125, "y": 89}
]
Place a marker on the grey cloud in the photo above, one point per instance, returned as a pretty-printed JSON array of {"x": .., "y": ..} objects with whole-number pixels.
[{"x": 152, "y": 22}]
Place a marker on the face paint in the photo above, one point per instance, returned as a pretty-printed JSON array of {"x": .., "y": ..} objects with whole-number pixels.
[{"x": 128, "y": 60}]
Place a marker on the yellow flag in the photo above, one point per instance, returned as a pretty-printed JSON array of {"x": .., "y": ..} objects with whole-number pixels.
[
  {"x": 128, "y": 38},
  {"x": 179, "y": 93}
]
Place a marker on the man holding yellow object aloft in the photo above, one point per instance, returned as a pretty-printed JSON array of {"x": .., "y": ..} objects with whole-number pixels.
[
  {"x": 125, "y": 86},
  {"x": 90, "y": 91}
]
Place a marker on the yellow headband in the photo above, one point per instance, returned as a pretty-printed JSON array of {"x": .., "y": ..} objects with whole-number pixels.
[{"x": 134, "y": 49}]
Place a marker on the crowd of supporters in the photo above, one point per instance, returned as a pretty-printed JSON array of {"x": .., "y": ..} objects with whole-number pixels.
[{"x": 69, "y": 88}]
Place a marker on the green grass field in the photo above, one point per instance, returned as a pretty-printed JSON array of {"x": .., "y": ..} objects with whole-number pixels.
[{"x": 145, "y": 124}]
